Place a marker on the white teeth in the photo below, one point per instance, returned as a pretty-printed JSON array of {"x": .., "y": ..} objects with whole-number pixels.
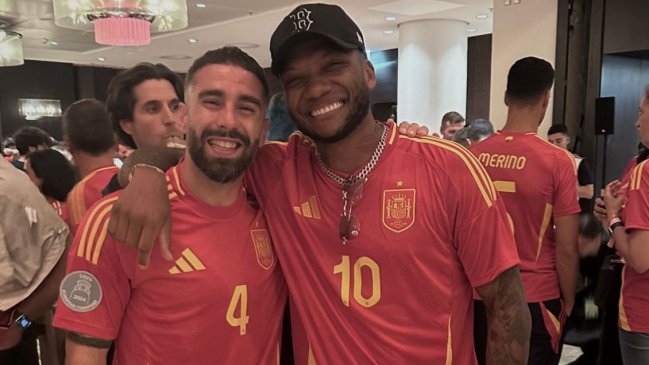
[
  {"x": 223, "y": 144},
  {"x": 326, "y": 109}
]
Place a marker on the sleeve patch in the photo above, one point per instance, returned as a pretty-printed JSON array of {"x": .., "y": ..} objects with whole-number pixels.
[{"x": 81, "y": 291}]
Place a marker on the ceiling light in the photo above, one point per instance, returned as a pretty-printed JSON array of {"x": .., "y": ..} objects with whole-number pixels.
[
  {"x": 11, "y": 49},
  {"x": 471, "y": 30},
  {"x": 54, "y": 43},
  {"x": 101, "y": 59},
  {"x": 481, "y": 16},
  {"x": 201, "y": 5},
  {"x": 192, "y": 40},
  {"x": 388, "y": 32},
  {"x": 121, "y": 23},
  {"x": 390, "y": 18}
]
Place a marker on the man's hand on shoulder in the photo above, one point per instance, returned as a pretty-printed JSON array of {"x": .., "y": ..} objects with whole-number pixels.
[{"x": 412, "y": 129}]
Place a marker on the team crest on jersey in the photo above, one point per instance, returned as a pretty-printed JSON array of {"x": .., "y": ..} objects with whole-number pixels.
[
  {"x": 399, "y": 209},
  {"x": 263, "y": 248}
]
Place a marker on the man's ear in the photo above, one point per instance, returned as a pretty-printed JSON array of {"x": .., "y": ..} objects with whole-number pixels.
[
  {"x": 184, "y": 118},
  {"x": 370, "y": 74},
  {"x": 127, "y": 126}
]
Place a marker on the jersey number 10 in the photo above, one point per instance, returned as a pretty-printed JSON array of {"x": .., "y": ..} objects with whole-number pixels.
[{"x": 344, "y": 269}]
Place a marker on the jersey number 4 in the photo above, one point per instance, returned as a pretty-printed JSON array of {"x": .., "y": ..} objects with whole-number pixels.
[
  {"x": 344, "y": 268},
  {"x": 239, "y": 299}
]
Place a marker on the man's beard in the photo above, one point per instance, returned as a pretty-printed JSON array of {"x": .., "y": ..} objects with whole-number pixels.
[
  {"x": 359, "y": 108},
  {"x": 221, "y": 170}
]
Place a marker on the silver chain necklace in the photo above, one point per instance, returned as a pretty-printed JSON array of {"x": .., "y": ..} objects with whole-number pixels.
[{"x": 360, "y": 177}]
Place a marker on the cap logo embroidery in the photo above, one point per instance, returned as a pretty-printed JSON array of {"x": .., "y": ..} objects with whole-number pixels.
[{"x": 301, "y": 20}]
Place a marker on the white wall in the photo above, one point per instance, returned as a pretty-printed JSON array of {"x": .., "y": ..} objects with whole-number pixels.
[{"x": 519, "y": 30}]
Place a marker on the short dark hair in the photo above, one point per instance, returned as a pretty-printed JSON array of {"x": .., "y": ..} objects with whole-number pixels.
[
  {"x": 57, "y": 173},
  {"x": 27, "y": 137},
  {"x": 120, "y": 101},
  {"x": 229, "y": 56},
  {"x": 452, "y": 117},
  {"x": 528, "y": 79},
  {"x": 87, "y": 127},
  {"x": 558, "y": 128},
  {"x": 589, "y": 227}
]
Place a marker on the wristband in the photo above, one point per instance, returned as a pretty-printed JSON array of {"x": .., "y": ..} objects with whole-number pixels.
[
  {"x": 617, "y": 222},
  {"x": 614, "y": 220},
  {"x": 130, "y": 175}
]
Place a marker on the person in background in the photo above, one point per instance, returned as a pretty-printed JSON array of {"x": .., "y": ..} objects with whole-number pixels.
[
  {"x": 451, "y": 123},
  {"x": 627, "y": 214},
  {"x": 89, "y": 135},
  {"x": 558, "y": 136},
  {"x": 33, "y": 239},
  {"x": 538, "y": 183},
  {"x": 474, "y": 133},
  {"x": 30, "y": 139},
  {"x": 54, "y": 176},
  {"x": 281, "y": 124}
]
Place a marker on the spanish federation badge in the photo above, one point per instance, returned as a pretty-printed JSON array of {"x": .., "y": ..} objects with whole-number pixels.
[
  {"x": 263, "y": 248},
  {"x": 399, "y": 209}
]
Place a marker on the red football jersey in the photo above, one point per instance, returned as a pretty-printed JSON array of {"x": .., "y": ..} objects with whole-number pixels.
[
  {"x": 61, "y": 209},
  {"x": 634, "y": 296},
  {"x": 220, "y": 301},
  {"x": 431, "y": 228},
  {"x": 86, "y": 193},
  {"x": 538, "y": 181}
]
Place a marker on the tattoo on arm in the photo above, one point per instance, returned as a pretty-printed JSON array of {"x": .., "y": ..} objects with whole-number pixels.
[
  {"x": 508, "y": 317},
  {"x": 88, "y": 341}
]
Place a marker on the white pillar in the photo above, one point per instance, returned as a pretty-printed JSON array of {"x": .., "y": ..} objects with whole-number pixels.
[{"x": 432, "y": 73}]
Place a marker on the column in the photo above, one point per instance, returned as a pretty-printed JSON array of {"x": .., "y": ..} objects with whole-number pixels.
[{"x": 432, "y": 72}]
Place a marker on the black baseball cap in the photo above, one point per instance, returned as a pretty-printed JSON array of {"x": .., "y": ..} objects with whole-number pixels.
[{"x": 327, "y": 20}]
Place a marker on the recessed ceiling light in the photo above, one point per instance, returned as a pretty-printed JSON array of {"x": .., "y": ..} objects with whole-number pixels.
[
  {"x": 192, "y": 40},
  {"x": 388, "y": 32},
  {"x": 54, "y": 43},
  {"x": 471, "y": 30},
  {"x": 481, "y": 16},
  {"x": 201, "y": 5},
  {"x": 101, "y": 59},
  {"x": 175, "y": 57},
  {"x": 390, "y": 18}
]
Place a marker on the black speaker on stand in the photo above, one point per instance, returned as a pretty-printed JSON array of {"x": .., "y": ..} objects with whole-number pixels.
[{"x": 604, "y": 125}]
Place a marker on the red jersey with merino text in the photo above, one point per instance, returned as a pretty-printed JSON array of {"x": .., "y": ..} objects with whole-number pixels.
[
  {"x": 431, "y": 228},
  {"x": 538, "y": 182},
  {"x": 634, "y": 296},
  {"x": 86, "y": 193},
  {"x": 220, "y": 301}
]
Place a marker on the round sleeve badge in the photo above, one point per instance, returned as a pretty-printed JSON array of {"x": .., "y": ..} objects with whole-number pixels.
[{"x": 81, "y": 291}]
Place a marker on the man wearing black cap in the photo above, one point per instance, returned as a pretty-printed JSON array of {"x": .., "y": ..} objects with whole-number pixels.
[{"x": 381, "y": 237}]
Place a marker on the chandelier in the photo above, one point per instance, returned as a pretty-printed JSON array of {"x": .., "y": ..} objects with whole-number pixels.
[
  {"x": 121, "y": 22},
  {"x": 11, "y": 49}
]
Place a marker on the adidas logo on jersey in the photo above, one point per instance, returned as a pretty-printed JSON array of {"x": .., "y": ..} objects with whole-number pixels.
[
  {"x": 188, "y": 262},
  {"x": 309, "y": 209}
]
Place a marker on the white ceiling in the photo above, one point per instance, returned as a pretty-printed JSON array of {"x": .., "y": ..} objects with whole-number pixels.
[{"x": 223, "y": 22}]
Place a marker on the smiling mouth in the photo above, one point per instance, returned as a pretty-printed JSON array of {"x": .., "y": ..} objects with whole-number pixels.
[
  {"x": 326, "y": 109},
  {"x": 225, "y": 145},
  {"x": 175, "y": 142}
]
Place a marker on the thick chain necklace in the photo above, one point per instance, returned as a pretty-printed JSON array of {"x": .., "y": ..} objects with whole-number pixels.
[{"x": 360, "y": 177}]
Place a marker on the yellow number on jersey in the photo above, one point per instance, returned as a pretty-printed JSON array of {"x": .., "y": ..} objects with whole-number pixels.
[
  {"x": 240, "y": 296},
  {"x": 344, "y": 269}
]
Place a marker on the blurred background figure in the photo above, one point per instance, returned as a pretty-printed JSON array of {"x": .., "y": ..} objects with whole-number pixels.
[
  {"x": 54, "y": 176},
  {"x": 474, "y": 133},
  {"x": 451, "y": 123},
  {"x": 281, "y": 125},
  {"x": 30, "y": 139},
  {"x": 558, "y": 136}
]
